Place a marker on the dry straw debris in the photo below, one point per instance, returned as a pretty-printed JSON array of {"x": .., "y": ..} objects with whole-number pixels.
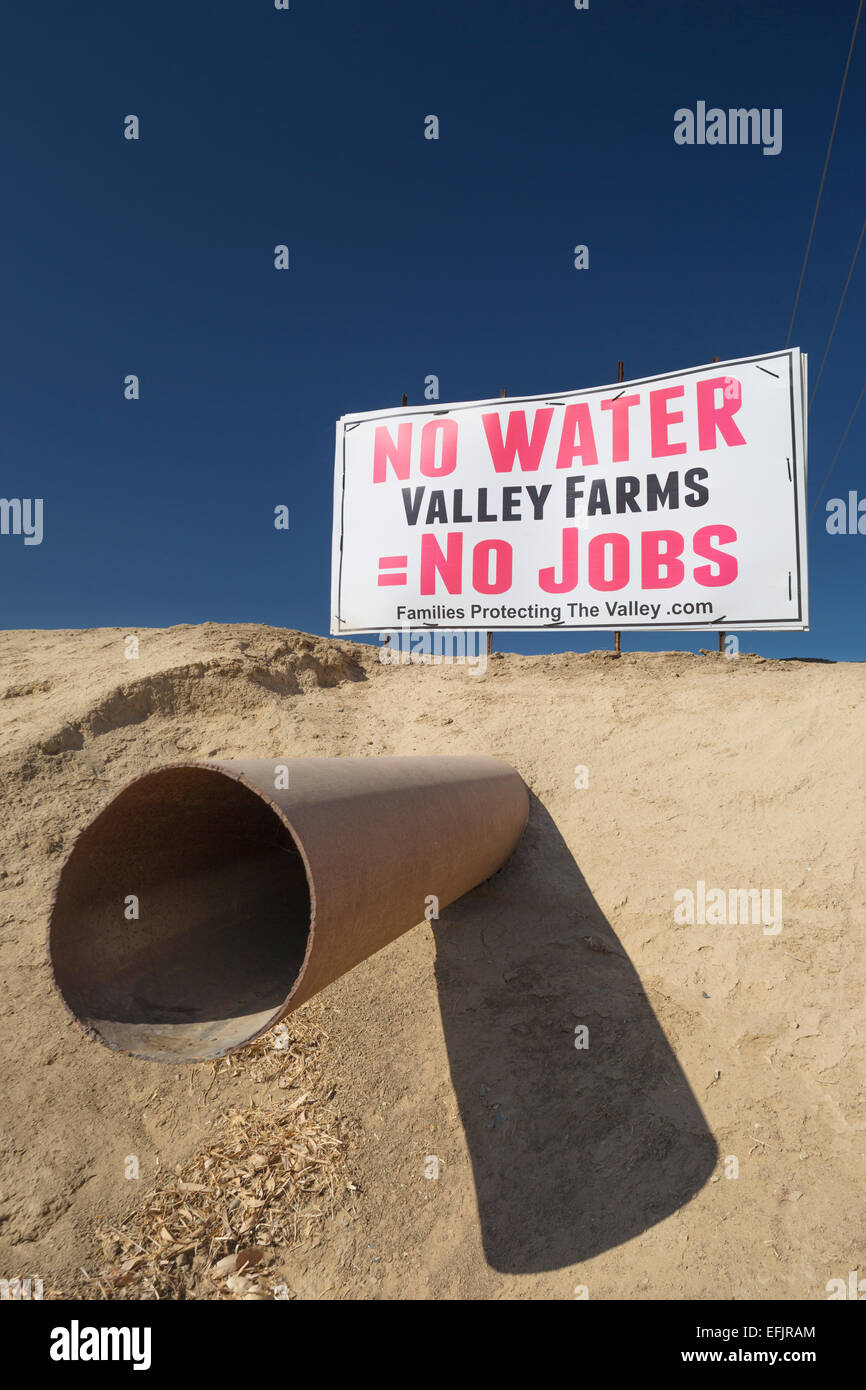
[{"x": 270, "y": 1174}]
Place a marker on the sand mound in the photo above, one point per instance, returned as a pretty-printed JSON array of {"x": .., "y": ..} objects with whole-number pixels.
[
  {"x": 191, "y": 689},
  {"x": 609, "y": 1166}
]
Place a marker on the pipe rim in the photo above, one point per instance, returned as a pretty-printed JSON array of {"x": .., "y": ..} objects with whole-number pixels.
[{"x": 225, "y": 770}]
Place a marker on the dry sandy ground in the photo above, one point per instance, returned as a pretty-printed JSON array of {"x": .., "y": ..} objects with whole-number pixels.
[{"x": 604, "y": 1168}]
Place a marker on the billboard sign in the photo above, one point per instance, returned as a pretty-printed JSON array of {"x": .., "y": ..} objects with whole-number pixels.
[{"x": 674, "y": 502}]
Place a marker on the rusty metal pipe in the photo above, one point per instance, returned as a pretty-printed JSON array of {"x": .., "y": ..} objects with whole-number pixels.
[{"x": 208, "y": 900}]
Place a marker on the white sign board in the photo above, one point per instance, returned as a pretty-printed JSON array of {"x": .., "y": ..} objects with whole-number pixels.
[{"x": 675, "y": 502}]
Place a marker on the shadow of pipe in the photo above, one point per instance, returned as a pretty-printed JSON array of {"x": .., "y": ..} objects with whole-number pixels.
[{"x": 573, "y": 1150}]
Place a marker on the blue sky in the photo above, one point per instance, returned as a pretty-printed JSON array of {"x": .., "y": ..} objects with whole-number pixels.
[{"x": 408, "y": 257}]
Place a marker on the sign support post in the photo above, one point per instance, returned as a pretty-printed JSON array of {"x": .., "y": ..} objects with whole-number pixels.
[
  {"x": 502, "y": 394},
  {"x": 620, "y": 376},
  {"x": 722, "y": 635}
]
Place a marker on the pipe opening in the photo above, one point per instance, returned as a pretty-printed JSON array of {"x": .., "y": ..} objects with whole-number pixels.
[{"x": 223, "y": 917}]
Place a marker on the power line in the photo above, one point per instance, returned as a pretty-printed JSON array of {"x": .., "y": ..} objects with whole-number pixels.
[
  {"x": 839, "y": 450},
  {"x": 838, "y": 311},
  {"x": 823, "y": 175}
]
